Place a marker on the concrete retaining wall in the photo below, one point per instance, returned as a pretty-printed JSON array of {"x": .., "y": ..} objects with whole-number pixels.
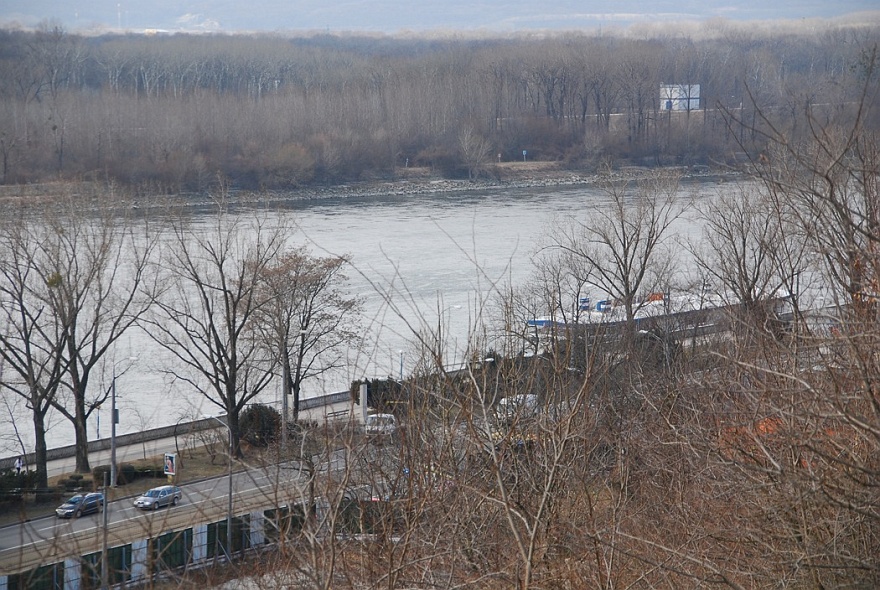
[{"x": 181, "y": 429}]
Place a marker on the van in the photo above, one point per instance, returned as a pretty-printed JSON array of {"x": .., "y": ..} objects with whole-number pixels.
[
  {"x": 516, "y": 406},
  {"x": 381, "y": 424}
]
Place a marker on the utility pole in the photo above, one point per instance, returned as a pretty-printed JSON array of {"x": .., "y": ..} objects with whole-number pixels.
[{"x": 105, "y": 571}]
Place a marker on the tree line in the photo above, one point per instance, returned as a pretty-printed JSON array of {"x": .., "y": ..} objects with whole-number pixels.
[{"x": 273, "y": 112}]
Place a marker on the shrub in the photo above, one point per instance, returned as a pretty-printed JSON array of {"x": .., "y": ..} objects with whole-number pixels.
[
  {"x": 289, "y": 166},
  {"x": 260, "y": 424},
  {"x": 126, "y": 474},
  {"x": 152, "y": 471},
  {"x": 99, "y": 472},
  {"x": 14, "y": 496},
  {"x": 9, "y": 480}
]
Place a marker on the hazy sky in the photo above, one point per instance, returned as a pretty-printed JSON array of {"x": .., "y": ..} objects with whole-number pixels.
[{"x": 393, "y": 16}]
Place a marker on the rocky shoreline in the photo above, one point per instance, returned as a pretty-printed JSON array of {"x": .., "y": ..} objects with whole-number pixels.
[
  {"x": 423, "y": 187},
  {"x": 404, "y": 187},
  {"x": 410, "y": 183}
]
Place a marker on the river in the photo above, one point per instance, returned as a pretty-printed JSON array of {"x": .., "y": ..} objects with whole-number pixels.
[{"x": 441, "y": 257}]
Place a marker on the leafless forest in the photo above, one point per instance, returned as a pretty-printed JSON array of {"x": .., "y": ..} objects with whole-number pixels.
[
  {"x": 669, "y": 457},
  {"x": 270, "y": 112}
]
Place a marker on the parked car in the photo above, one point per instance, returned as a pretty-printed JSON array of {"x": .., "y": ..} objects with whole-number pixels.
[
  {"x": 81, "y": 504},
  {"x": 381, "y": 424},
  {"x": 157, "y": 497}
]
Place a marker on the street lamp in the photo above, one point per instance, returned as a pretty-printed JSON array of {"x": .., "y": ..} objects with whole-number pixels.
[
  {"x": 105, "y": 567},
  {"x": 229, "y": 500},
  {"x": 114, "y": 419}
]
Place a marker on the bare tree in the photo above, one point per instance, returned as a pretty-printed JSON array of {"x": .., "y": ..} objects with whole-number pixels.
[
  {"x": 474, "y": 149},
  {"x": 624, "y": 244},
  {"x": 792, "y": 435},
  {"x": 307, "y": 316},
  {"x": 101, "y": 281},
  {"x": 206, "y": 318},
  {"x": 32, "y": 340},
  {"x": 75, "y": 280},
  {"x": 748, "y": 251}
]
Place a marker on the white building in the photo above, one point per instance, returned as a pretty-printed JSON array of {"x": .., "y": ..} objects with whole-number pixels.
[
  {"x": 334, "y": 407},
  {"x": 679, "y": 97}
]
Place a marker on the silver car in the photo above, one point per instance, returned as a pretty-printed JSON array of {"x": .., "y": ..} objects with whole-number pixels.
[{"x": 157, "y": 497}]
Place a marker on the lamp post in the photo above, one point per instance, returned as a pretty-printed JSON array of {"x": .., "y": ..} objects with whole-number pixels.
[
  {"x": 229, "y": 499},
  {"x": 114, "y": 419},
  {"x": 401, "y": 366},
  {"x": 105, "y": 569}
]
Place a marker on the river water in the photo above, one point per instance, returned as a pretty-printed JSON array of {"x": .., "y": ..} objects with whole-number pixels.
[{"x": 438, "y": 257}]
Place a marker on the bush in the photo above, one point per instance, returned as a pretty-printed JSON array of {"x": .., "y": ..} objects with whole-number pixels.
[
  {"x": 152, "y": 471},
  {"x": 14, "y": 496},
  {"x": 260, "y": 425},
  {"x": 10, "y": 481},
  {"x": 99, "y": 472},
  {"x": 68, "y": 485},
  {"x": 288, "y": 167},
  {"x": 126, "y": 474}
]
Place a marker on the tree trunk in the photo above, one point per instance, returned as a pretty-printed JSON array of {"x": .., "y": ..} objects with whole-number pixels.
[
  {"x": 233, "y": 422},
  {"x": 40, "y": 448},
  {"x": 296, "y": 403},
  {"x": 82, "y": 438}
]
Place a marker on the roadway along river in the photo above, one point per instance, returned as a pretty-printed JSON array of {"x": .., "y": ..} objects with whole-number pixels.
[
  {"x": 43, "y": 540},
  {"x": 442, "y": 256}
]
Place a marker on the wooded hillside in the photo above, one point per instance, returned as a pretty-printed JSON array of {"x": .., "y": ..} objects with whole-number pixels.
[{"x": 269, "y": 112}]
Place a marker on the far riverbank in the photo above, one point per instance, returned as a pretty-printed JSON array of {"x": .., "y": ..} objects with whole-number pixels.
[{"x": 407, "y": 181}]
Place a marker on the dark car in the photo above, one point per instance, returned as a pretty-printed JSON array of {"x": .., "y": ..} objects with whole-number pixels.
[
  {"x": 80, "y": 504},
  {"x": 157, "y": 497}
]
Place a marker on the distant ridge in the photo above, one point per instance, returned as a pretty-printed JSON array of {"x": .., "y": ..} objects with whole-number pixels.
[{"x": 400, "y": 16}]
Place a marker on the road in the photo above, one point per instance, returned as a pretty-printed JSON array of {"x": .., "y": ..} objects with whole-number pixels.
[{"x": 42, "y": 540}]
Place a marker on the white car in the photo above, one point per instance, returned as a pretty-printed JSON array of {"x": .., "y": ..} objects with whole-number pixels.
[{"x": 381, "y": 424}]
